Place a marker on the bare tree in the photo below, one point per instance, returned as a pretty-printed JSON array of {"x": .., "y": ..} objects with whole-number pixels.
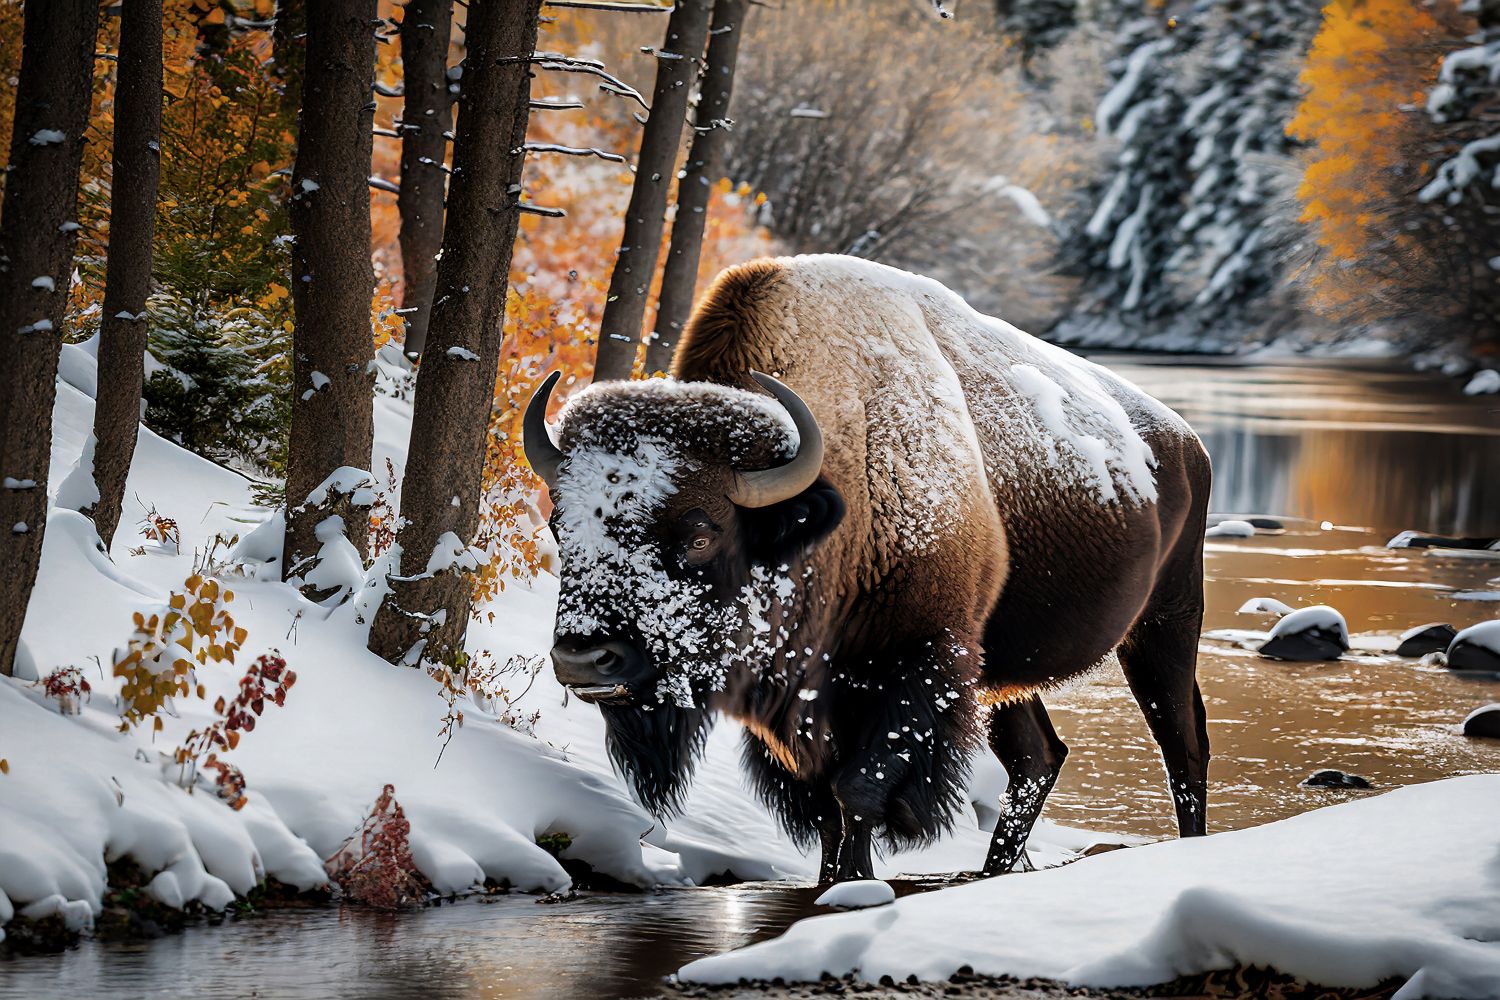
[
  {"x": 426, "y": 612},
  {"x": 425, "y": 122},
  {"x": 332, "y": 275},
  {"x": 705, "y": 160},
  {"x": 640, "y": 247},
  {"x": 132, "y": 221},
  {"x": 37, "y": 237}
]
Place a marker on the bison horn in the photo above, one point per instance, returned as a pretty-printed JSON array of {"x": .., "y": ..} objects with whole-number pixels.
[
  {"x": 763, "y": 487},
  {"x": 543, "y": 455}
]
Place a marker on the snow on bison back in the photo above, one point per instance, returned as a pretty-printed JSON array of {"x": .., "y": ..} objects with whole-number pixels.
[{"x": 926, "y": 516}]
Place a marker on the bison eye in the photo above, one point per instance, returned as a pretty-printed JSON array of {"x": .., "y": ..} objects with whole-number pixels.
[{"x": 699, "y": 543}]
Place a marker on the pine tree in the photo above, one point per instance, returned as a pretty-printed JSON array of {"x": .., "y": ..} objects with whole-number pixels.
[
  {"x": 655, "y": 168},
  {"x": 332, "y": 281},
  {"x": 426, "y": 120},
  {"x": 427, "y": 610},
  {"x": 1175, "y": 247},
  {"x": 132, "y": 217},
  {"x": 38, "y": 232},
  {"x": 705, "y": 160}
]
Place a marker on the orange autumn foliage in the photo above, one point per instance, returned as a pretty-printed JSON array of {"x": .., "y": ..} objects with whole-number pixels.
[{"x": 1366, "y": 77}]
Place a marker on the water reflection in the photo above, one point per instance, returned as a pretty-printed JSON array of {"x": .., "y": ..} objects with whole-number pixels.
[
  {"x": 602, "y": 946},
  {"x": 1349, "y": 443}
]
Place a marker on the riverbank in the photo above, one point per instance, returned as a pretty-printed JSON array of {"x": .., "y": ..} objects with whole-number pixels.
[{"x": 1400, "y": 886}]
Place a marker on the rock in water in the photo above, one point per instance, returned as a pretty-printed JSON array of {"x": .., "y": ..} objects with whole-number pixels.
[
  {"x": 1316, "y": 633},
  {"x": 858, "y": 894},
  {"x": 1484, "y": 722},
  {"x": 1476, "y": 648},
  {"x": 1424, "y": 639},
  {"x": 1336, "y": 779},
  {"x": 1231, "y": 529},
  {"x": 1268, "y": 606},
  {"x": 1265, "y": 524}
]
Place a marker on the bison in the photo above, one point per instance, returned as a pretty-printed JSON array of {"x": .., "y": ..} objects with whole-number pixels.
[{"x": 925, "y": 513}]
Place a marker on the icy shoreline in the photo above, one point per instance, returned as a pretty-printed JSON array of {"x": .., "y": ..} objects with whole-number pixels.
[{"x": 1404, "y": 885}]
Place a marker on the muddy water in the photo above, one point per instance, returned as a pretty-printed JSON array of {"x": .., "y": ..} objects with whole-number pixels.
[
  {"x": 1347, "y": 457},
  {"x": 1367, "y": 452}
]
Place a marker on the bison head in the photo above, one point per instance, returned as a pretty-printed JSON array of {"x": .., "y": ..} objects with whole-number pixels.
[{"x": 678, "y": 509}]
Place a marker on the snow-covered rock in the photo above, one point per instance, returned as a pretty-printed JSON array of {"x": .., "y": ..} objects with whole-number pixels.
[
  {"x": 1424, "y": 639},
  {"x": 1315, "y": 633},
  {"x": 1264, "y": 606},
  {"x": 858, "y": 895},
  {"x": 1231, "y": 529},
  {"x": 1485, "y": 381},
  {"x": 1389, "y": 886},
  {"x": 1484, "y": 722},
  {"x": 1476, "y": 648}
]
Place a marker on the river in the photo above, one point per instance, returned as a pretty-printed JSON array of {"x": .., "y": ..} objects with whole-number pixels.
[{"x": 1345, "y": 454}]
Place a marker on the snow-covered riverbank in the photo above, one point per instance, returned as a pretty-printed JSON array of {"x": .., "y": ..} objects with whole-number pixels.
[{"x": 1403, "y": 885}]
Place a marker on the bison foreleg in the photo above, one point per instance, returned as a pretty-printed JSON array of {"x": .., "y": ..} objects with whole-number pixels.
[
  {"x": 1022, "y": 737},
  {"x": 831, "y": 830}
]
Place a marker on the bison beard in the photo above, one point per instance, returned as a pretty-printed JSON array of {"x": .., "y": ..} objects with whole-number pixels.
[{"x": 658, "y": 749}]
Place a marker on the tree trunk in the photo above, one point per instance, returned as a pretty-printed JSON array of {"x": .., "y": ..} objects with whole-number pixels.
[
  {"x": 38, "y": 233},
  {"x": 132, "y": 220},
  {"x": 427, "y": 611},
  {"x": 428, "y": 114},
  {"x": 332, "y": 276},
  {"x": 704, "y": 162},
  {"x": 630, "y": 284},
  {"x": 289, "y": 46}
]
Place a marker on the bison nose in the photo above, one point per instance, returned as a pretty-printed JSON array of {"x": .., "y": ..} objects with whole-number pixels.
[{"x": 588, "y": 663}]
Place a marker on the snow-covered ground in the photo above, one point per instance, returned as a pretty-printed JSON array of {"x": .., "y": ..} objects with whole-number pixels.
[
  {"x": 1403, "y": 885},
  {"x": 78, "y": 792}
]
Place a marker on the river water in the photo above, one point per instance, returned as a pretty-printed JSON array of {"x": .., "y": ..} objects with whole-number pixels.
[{"x": 1345, "y": 454}]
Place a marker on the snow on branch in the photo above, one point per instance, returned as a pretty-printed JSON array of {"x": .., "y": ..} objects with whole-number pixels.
[
  {"x": 381, "y": 184},
  {"x": 593, "y": 67},
  {"x": 552, "y": 147},
  {"x": 615, "y": 5},
  {"x": 556, "y": 105},
  {"x": 542, "y": 210},
  {"x": 385, "y": 91},
  {"x": 941, "y": 11}
]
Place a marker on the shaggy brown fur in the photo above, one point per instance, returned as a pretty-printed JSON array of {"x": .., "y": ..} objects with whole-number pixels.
[{"x": 1020, "y": 579}]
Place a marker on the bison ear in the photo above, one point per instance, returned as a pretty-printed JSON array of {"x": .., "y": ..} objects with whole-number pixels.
[{"x": 785, "y": 530}]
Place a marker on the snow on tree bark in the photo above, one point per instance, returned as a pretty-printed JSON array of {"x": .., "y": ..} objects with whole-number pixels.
[
  {"x": 704, "y": 162},
  {"x": 630, "y": 282},
  {"x": 38, "y": 233},
  {"x": 333, "y": 376},
  {"x": 427, "y": 610},
  {"x": 132, "y": 219},
  {"x": 1177, "y": 245},
  {"x": 426, "y": 117}
]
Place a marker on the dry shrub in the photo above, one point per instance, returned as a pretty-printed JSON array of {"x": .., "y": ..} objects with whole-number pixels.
[
  {"x": 887, "y": 134},
  {"x": 374, "y": 866}
]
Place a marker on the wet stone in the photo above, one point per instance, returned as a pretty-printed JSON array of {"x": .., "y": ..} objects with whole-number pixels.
[
  {"x": 1484, "y": 723},
  {"x": 1424, "y": 639},
  {"x": 1336, "y": 779}
]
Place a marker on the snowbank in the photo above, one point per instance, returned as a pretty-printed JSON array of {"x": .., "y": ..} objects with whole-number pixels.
[
  {"x": 78, "y": 791},
  {"x": 1405, "y": 884}
]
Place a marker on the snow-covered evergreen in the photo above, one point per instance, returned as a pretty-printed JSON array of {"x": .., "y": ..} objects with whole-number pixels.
[{"x": 1176, "y": 241}]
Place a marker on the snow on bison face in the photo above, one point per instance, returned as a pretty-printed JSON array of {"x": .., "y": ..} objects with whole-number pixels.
[{"x": 677, "y": 507}]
